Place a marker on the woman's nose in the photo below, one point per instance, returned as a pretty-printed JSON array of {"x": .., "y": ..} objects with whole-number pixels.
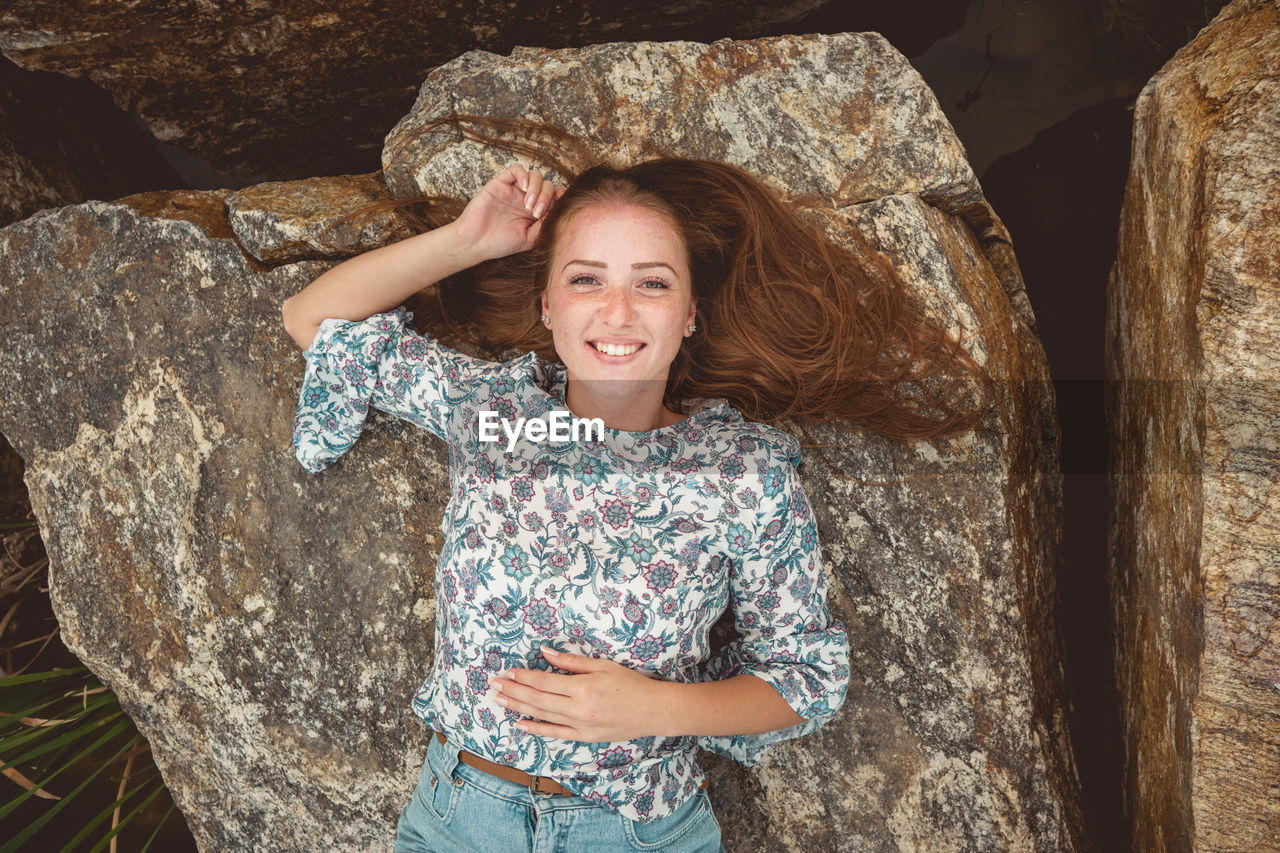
[{"x": 619, "y": 309}]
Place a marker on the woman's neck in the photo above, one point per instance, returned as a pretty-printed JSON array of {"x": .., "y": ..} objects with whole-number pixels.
[{"x": 640, "y": 412}]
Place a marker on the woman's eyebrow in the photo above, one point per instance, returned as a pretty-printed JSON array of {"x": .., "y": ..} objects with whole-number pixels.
[{"x": 644, "y": 265}]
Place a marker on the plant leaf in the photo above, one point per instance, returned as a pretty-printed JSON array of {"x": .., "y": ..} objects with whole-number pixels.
[
  {"x": 29, "y": 785},
  {"x": 16, "y": 842}
]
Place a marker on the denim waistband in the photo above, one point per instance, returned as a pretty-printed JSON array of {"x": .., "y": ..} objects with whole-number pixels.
[{"x": 448, "y": 763}]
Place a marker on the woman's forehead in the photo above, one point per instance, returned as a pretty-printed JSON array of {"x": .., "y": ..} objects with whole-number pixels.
[
  {"x": 613, "y": 223},
  {"x": 612, "y": 210}
]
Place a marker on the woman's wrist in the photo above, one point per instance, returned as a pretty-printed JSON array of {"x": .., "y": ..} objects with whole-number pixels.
[
  {"x": 460, "y": 249},
  {"x": 663, "y": 713}
]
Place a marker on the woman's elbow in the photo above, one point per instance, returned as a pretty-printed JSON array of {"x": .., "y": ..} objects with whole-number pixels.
[{"x": 303, "y": 333}]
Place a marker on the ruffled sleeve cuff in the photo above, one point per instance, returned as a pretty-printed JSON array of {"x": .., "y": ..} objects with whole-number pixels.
[
  {"x": 812, "y": 676},
  {"x": 351, "y": 365}
]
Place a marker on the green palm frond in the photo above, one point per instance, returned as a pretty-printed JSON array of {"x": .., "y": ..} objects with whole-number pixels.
[
  {"x": 63, "y": 735},
  {"x": 51, "y": 722}
]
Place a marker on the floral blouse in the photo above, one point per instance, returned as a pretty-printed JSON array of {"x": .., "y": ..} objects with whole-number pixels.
[{"x": 628, "y": 547}]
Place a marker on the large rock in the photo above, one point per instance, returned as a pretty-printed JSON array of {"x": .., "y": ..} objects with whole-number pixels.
[
  {"x": 1193, "y": 328},
  {"x": 270, "y": 89},
  {"x": 266, "y": 627}
]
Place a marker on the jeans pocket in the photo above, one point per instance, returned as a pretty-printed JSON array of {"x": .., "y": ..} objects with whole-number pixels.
[
  {"x": 675, "y": 831},
  {"x": 436, "y": 790}
]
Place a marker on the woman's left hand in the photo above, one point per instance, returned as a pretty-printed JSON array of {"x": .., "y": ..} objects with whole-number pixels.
[{"x": 600, "y": 700}]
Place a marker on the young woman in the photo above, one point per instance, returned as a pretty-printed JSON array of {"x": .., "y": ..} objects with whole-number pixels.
[{"x": 580, "y": 577}]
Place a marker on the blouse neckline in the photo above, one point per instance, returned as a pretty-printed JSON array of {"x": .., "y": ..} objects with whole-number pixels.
[{"x": 696, "y": 410}]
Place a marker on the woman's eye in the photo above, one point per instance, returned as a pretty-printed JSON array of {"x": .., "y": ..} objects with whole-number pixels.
[{"x": 647, "y": 284}]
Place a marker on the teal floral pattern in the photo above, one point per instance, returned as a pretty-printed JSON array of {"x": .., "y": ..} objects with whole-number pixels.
[{"x": 627, "y": 547}]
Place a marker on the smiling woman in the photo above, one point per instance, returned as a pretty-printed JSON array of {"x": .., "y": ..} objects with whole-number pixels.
[
  {"x": 618, "y": 325},
  {"x": 577, "y": 586}
]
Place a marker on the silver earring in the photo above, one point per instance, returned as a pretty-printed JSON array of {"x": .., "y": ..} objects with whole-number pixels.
[
  {"x": 546, "y": 319},
  {"x": 692, "y": 327}
]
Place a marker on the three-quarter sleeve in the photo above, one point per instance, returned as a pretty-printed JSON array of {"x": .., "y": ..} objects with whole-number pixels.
[
  {"x": 778, "y": 593},
  {"x": 381, "y": 362}
]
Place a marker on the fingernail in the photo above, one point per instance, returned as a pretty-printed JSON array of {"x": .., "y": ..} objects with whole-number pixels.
[
  {"x": 524, "y": 184},
  {"x": 528, "y": 201},
  {"x": 537, "y": 211},
  {"x": 499, "y": 700}
]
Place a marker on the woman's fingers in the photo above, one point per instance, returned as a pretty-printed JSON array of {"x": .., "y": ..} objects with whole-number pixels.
[
  {"x": 535, "y": 710},
  {"x": 513, "y": 174},
  {"x": 534, "y": 701},
  {"x": 533, "y": 189},
  {"x": 550, "y": 192},
  {"x": 538, "y": 192},
  {"x": 550, "y": 683},
  {"x": 548, "y": 730}
]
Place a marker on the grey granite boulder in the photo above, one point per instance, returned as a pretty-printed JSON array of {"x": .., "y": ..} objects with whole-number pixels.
[
  {"x": 1193, "y": 330},
  {"x": 266, "y": 627}
]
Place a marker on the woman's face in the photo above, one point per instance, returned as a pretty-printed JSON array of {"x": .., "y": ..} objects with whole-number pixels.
[{"x": 619, "y": 281}]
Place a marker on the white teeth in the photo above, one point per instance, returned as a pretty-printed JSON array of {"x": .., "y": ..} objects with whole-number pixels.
[{"x": 617, "y": 349}]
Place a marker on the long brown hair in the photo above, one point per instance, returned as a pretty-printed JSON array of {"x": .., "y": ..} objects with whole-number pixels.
[{"x": 790, "y": 325}]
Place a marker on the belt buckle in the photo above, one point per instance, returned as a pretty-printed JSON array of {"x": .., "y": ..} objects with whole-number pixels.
[{"x": 533, "y": 785}]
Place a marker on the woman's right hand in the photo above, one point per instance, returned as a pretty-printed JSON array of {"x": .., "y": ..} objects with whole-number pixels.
[{"x": 506, "y": 216}]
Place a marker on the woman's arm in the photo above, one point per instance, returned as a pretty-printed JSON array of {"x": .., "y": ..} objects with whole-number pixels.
[
  {"x": 377, "y": 280},
  {"x": 602, "y": 700},
  {"x": 503, "y": 218},
  {"x": 742, "y": 705}
]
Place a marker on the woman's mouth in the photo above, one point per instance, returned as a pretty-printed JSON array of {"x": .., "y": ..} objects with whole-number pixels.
[{"x": 614, "y": 352}]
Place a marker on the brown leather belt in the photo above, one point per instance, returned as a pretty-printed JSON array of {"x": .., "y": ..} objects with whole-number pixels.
[{"x": 536, "y": 784}]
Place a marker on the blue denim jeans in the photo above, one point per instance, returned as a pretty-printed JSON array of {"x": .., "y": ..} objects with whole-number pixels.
[{"x": 458, "y": 808}]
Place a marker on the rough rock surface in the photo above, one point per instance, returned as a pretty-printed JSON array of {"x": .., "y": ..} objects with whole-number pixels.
[
  {"x": 1193, "y": 328},
  {"x": 270, "y": 89},
  {"x": 267, "y": 627}
]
